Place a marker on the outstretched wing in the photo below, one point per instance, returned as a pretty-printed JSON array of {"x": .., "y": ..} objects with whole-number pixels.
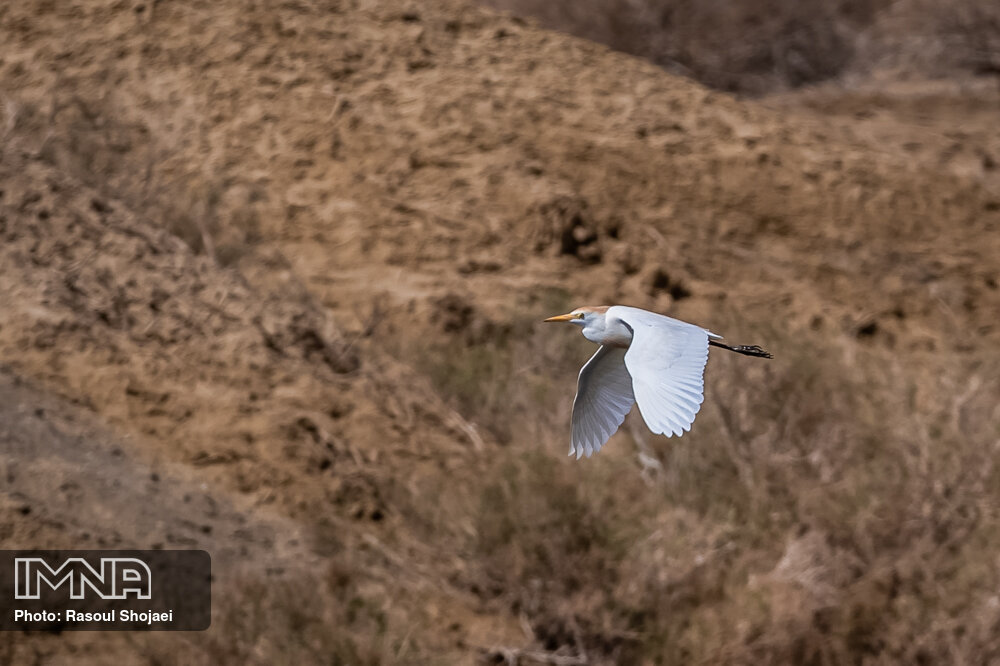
[
  {"x": 667, "y": 363},
  {"x": 603, "y": 398}
]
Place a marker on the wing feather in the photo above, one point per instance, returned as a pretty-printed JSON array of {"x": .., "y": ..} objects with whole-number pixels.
[
  {"x": 603, "y": 398},
  {"x": 666, "y": 361}
]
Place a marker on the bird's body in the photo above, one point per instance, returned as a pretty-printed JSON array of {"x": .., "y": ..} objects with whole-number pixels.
[{"x": 645, "y": 358}]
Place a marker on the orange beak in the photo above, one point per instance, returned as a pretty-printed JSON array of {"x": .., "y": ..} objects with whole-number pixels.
[{"x": 565, "y": 317}]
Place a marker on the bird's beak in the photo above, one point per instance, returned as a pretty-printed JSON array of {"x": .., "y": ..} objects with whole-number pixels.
[{"x": 565, "y": 317}]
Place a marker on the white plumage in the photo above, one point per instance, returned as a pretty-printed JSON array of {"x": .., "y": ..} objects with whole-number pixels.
[
  {"x": 603, "y": 398},
  {"x": 645, "y": 358}
]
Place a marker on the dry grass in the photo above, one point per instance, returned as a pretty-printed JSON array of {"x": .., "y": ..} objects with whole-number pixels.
[{"x": 307, "y": 629}]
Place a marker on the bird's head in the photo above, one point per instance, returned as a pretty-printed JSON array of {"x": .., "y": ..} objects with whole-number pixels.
[{"x": 586, "y": 317}]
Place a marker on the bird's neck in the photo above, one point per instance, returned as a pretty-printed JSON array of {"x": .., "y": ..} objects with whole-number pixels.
[{"x": 609, "y": 332}]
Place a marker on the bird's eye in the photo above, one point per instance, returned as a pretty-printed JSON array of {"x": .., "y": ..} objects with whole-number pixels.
[{"x": 579, "y": 315}]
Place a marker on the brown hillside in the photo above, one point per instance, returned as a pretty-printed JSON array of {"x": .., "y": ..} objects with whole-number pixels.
[{"x": 272, "y": 280}]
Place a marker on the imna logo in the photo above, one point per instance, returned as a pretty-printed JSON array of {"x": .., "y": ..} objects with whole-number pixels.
[{"x": 116, "y": 578}]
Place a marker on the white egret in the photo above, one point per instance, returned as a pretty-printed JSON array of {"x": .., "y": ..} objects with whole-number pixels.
[{"x": 644, "y": 358}]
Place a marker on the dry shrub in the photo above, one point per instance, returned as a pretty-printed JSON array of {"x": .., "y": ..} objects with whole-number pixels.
[
  {"x": 971, "y": 30},
  {"x": 760, "y": 47},
  {"x": 749, "y": 47},
  {"x": 832, "y": 505}
]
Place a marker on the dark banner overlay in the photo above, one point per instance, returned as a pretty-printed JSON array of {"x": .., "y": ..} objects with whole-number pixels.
[{"x": 105, "y": 590}]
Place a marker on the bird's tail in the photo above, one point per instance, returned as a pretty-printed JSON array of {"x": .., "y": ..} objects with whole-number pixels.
[{"x": 746, "y": 350}]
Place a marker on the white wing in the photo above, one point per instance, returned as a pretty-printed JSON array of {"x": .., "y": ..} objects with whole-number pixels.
[
  {"x": 667, "y": 362},
  {"x": 603, "y": 398}
]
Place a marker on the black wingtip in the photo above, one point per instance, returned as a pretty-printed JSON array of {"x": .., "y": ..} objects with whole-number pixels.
[
  {"x": 746, "y": 350},
  {"x": 753, "y": 350}
]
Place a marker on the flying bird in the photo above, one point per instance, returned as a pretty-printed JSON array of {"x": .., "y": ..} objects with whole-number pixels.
[{"x": 645, "y": 358}]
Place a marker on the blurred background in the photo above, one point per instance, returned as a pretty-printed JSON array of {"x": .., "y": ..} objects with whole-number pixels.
[{"x": 272, "y": 277}]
